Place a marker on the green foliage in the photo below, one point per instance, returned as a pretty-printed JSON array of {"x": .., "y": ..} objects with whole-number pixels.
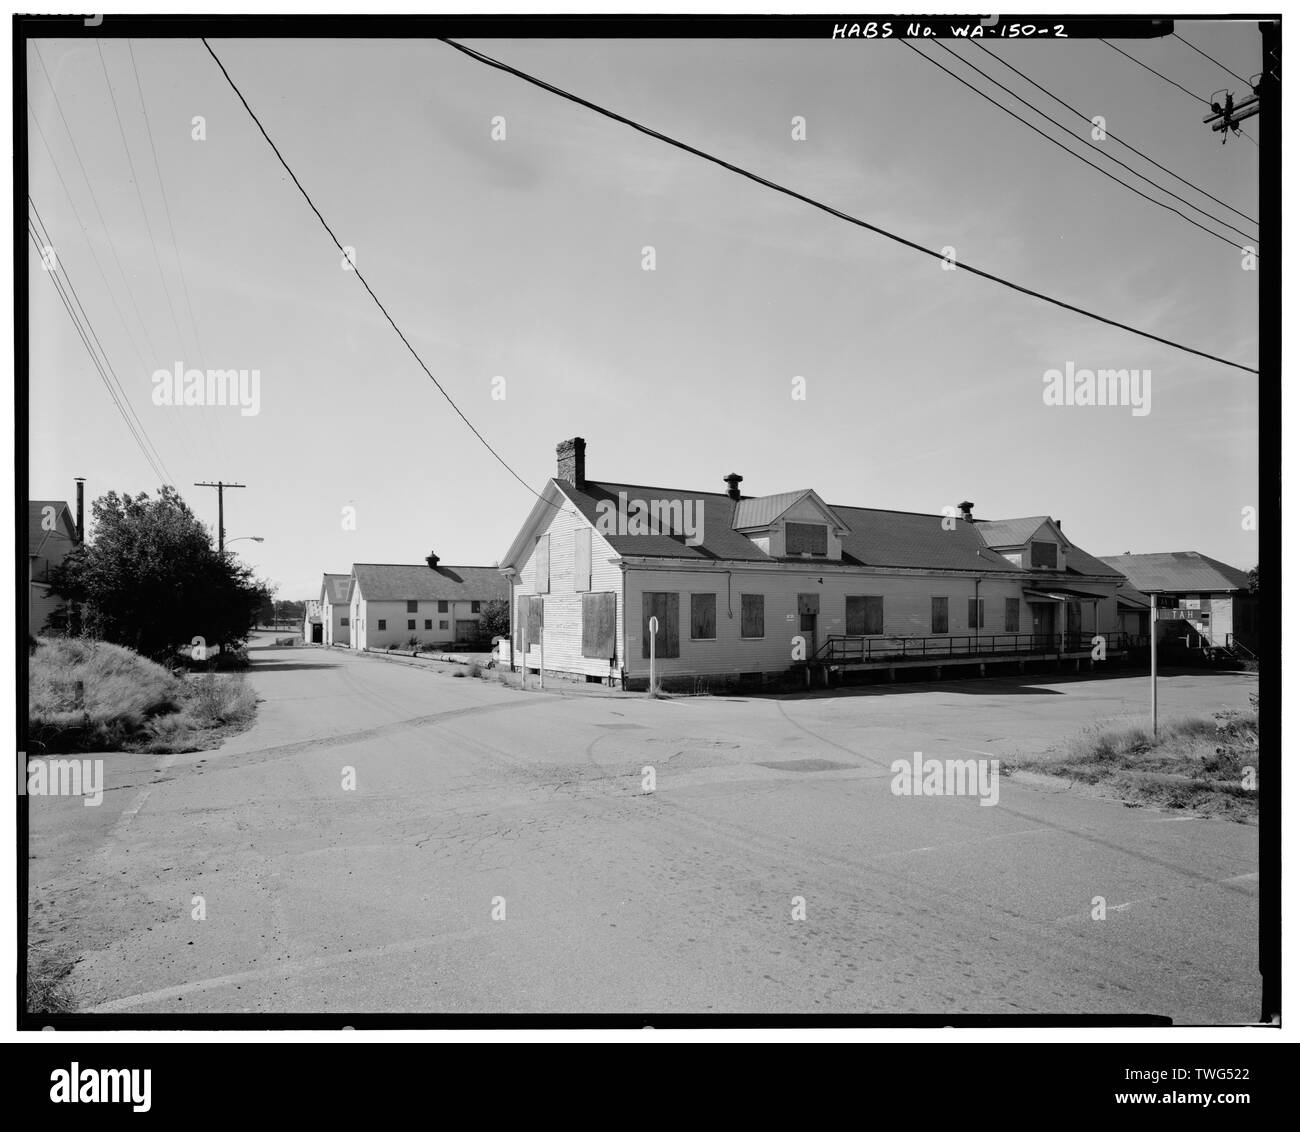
[
  {"x": 494, "y": 617},
  {"x": 152, "y": 581}
]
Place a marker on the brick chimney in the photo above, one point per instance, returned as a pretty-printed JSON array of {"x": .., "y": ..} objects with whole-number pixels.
[
  {"x": 571, "y": 462},
  {"x": 733, "y": 482},
  {"x": 967, "y": 507},
  {"x": 432, "y": 560},
  {"x": 81, "y": 509}
]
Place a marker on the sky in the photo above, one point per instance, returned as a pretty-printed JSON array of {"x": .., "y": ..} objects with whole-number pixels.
[{"x": 522, "y": 258}]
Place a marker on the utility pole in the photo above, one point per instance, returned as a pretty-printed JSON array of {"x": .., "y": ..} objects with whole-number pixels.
[
  {"x": 1152, "y": 634},
  {"x": 221, "y": 511}
]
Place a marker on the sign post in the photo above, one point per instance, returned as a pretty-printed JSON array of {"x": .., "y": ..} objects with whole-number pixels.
[
  {"x": 654, "y": 632},
  {"x": 1153, "y": 666}
]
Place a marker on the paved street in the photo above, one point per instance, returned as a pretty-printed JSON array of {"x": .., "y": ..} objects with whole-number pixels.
[{"x": 471, "y": 797}]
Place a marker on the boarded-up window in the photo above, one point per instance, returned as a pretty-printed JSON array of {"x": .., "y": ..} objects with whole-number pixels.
[
  {"x": 582, "y": 559},
  {"x": 975, "y": 613},
  {"x": 1013, "y": 615},
  {"x": 412, "y": 607},
  {"x": 536, "y": 619},
  {"x": 751, "y": 615},
  {"x": 810, "y": 604},
  {"x": 599, "y": 627},
  {"x": 864, "y": 616},
  {"x": 542, "y": 565},
  {"x": 805, "y": 538},
  {"x": 528, "y": 622},
  {"x": 704, "y": 617},
  {"x": 1042, "y": 554},
  {"x": 663, "y": 606},
  {"x": 938, "y": 615},
  {"x": 442, "y": 607}
]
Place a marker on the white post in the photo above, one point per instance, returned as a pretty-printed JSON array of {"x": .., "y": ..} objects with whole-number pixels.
[
  {"x": 541, "y": 644},
  {"x": 654, "y": 632},
  {"x": 1153, "y": 666}
]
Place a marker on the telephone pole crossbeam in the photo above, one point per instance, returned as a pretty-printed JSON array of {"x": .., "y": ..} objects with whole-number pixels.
[{"x": 221, "y": 510}]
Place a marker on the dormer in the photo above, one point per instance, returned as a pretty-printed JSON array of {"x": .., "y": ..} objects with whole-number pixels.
[
  {"x": 1035, "y": 545},
  {"x": 797, "y": 524}
]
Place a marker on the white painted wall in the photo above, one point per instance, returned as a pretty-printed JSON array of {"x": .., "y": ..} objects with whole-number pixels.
[{"x": 563, "y": 603}]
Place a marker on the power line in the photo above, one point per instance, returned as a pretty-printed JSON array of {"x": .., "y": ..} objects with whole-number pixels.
[
  {"x": 163, "y": 476},
  {"x": 94, "y": 199},
  {"x": 1201, "y": 101},
  {"x": 99, "y": 212},
  {"x": 383, "y": 310},
  {"x": 1072, "y": 153},
  {"x": 139, "y": 196},
  {"x": 1211, "y": 58},
  {"x": 488, "y": 61},
  {"x": 162, "y": 189},
  {"x": 44, "y": 233},
  {"x": 1110, "y": 134}
]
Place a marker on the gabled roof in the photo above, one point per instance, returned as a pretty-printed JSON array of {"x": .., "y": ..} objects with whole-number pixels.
[
  {"x": 335, "y": 587},
  {"x": 1010, "y": 532},
  {"x": 1178, "y": 571},
  {"x": 763, "y": 510},
  {"x": 873, "y": 538},
  {"x": 36, "y": 535},
  {"x": 1006, "y": 533},
  {"x": 384, "y": 582}
]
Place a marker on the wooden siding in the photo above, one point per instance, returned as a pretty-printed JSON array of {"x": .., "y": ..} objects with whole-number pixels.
[
  {"x": 563, "y": 604},
  {"x": 905, "y": 598},
  {"x": 366, "y": 616}
]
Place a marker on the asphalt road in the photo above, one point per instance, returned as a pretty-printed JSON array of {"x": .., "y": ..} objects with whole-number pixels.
[{"x": 499, "y": 853}]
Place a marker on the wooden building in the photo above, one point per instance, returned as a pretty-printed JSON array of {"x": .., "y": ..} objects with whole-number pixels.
[
  {"x": 431, "y": 604},
  {"x": 335, "y": 615},
  {"x": 742, "y": 588},
  {"x": 1208, "y": 599}
]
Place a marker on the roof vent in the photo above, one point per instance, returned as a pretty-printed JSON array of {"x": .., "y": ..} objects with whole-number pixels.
[
  {"x": 432, "y": 560},
  {"x": 966, "y": 508},
  {"x": 733, "y": 482}
]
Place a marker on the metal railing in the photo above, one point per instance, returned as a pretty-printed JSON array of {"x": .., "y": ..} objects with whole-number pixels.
[{"x": 842, "y": 649}]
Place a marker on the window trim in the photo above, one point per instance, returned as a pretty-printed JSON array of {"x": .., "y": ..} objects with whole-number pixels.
[
  {"x": 693, "y": 594},
  {"x": 763, "y": 598}
]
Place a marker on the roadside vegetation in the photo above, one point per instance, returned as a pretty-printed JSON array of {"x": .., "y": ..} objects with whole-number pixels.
[
  {"x": 87, "y": 695},
  {"x": 1209, "y": 766}
]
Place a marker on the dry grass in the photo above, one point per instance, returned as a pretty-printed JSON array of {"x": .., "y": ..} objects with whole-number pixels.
[
  {"x": 91, "y": 696},
  {"x": 1209, "y": 766},
  {"x": 45, "y": 978}
]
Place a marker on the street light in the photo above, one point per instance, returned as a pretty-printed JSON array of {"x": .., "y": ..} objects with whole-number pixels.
[{"x": 246, "y": 538}]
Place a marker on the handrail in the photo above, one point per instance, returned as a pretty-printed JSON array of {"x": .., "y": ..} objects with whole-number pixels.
[{"x": 844, "y": 648}]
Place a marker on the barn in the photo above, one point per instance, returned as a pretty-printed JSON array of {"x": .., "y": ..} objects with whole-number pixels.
[{"x": 741, "y": 588}]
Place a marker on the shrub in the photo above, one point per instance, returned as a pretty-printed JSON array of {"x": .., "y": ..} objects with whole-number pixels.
[
  {"x": 475, "y": 669},
  {"x": 86, "y": 694}
]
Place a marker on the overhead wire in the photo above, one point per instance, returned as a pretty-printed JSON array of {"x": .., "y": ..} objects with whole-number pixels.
[{"x": 489, "y": 61}]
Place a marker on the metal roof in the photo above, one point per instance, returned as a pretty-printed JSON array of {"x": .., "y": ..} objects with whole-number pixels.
[{"x": 1178, "y": 571}]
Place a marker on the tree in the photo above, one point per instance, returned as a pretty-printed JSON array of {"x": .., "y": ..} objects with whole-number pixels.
[
  {"x": 151, "y": 579},
  {"x": 494, "y": 617},
  {"x": 1253, "y": 575}
]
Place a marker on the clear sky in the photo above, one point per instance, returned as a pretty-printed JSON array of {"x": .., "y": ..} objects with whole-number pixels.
[{"x": 522, "y": 258}]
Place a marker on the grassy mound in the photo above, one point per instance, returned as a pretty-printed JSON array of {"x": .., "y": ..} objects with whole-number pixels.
[
  {"x": 88, "y": 695},
  {"x": 1209, "y": 766}
]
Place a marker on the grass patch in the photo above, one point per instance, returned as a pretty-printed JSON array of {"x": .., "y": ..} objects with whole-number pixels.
[
  {"x": 46, "y": 974},
  {"x": 1206, "y": 765},
  {"x": 474, "y": 670},
  {"x": 92, "y": 696}
]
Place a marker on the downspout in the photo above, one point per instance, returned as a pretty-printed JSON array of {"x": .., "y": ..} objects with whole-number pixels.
[{"x": 621, "y": 640}]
